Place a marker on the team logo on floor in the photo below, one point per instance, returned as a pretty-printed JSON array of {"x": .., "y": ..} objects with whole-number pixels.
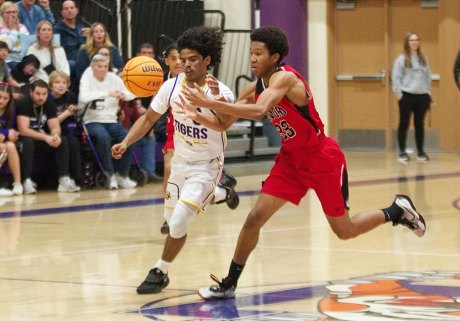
[{"x": 382, "y": 297}]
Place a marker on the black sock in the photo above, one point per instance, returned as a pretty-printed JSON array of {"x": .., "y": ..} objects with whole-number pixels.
[
  {"x": 234, "y": 273},
  {"x": 393, "y": 213}
]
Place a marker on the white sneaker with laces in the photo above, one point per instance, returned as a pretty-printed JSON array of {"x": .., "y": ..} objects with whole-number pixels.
[
  {"x": 125, "y": 182},
  {"x": 29, "y": 186},
  {"x": 73, "y": 182},
  {"x": 216, "y": 291},
  {"x": 67, "y": 185},
  {"x": 411, "y": 219},
  {"x": 18, "y": 189},
  {"x": 5, "y": 192},
  {"x": 113, "y": 182}
]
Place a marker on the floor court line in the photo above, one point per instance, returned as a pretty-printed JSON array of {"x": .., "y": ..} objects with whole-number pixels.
[{"x": 158, "y": 201}]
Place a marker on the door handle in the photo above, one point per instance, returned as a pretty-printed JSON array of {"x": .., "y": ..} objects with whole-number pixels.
[{"x": 363, "y": 77}]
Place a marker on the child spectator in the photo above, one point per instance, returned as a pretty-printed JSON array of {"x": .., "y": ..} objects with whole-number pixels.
[
  {"x": 66, "y": 105},
  {"x": 8, "y": 138},
  {"x": 5, "y": 75}
]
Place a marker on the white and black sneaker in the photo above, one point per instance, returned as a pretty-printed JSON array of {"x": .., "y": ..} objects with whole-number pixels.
[
  {"x": 410, "y": 218},
  {"x": 403, "y": 158},
  {"x": 422, "y": 157},
  {"x": 218, "y": 291}
]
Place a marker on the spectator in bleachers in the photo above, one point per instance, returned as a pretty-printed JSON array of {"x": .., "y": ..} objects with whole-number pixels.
[
  {"x": 1, "y": 19},
  {"x": 96, "y": 38},
  {"x": 100, "y": 93},
  {"x": 40, "y": 132},
  {"x": 9, "y": 136},
  {"x": 5, "y": 75},
  {"x": 148, "y": 143},
  {"x": 106, "y": 52},
  {"x": 11, "y": 31},
  {"x": 30, "y": 14},
  {"x": 66, "y": 104},
  {"x": 130, "y": 112},
  {"x": 49, "y": 15},
  {"x": 24, "y": 72},
  {"x": 52, "y": 57},
  {"x": 71, "y": 31}
]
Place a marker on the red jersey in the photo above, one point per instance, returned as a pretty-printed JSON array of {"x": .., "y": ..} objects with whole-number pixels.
[{"x": 300, "y": 127}]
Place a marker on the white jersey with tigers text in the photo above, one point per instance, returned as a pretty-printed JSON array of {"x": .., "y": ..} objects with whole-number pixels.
[{"x": 192, "y": 140}]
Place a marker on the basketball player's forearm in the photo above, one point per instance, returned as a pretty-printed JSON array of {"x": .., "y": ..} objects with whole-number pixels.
[
  {"x": 138, "y": 130},
  {"x": 239, "y": 110},
  {"x": 211, "y": 122}
]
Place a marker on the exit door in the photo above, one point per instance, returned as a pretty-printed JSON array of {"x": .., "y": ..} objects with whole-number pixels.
[{"x": 369, "y": 36}]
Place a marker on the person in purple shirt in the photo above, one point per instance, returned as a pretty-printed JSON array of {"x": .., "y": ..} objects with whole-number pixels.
[{"x": 8, "y": 139}]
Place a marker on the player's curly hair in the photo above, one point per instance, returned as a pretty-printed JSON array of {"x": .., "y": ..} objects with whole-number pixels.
[
  {"x": 207, "y": 41},
  {"x": 274, "y": 38}
]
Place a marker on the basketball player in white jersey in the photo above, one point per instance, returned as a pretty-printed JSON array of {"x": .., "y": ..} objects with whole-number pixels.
[{"x": 199, "y": 144}]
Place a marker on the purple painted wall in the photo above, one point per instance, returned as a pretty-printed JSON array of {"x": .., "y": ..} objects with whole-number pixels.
[{"x": 291, "y": 16}]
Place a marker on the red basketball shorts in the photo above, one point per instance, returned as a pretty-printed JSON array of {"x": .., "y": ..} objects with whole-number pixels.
[
  {"x": 169, "y": 144},
  {"x": 322, "y": 169}
]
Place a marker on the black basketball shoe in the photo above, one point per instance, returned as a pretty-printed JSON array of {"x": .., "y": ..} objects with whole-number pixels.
[
  {"x": 228, "y": 182},
  {"x": 154, "y": 282}
]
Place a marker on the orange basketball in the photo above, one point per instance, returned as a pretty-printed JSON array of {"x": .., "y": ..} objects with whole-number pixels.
[{"x": 142, "y": 76}]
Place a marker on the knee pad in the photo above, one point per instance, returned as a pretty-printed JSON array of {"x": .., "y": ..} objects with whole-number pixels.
[{"x": 180, "y": 220}]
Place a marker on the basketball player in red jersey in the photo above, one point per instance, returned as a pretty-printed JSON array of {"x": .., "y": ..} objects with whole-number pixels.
[{"x": 307, "y": 158}]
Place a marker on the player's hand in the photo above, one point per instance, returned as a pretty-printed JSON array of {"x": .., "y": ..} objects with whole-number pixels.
[
  {"x": 213, "y": 84},
  {"x": 186, "y": 108},
  {"x": 118, "y": 150},
  {"x": 196, "y": 96}
]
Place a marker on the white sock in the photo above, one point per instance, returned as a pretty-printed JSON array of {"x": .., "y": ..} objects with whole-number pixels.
[
  {"x": 163, "y": 266},
  {"x": 220, "y": 194}
]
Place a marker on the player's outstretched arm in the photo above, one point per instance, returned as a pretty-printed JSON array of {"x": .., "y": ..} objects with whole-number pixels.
[
  {"x": 142, "y": 125},
  {"x": 219, "y": 122},
  {"x": 280, "y": 83}
]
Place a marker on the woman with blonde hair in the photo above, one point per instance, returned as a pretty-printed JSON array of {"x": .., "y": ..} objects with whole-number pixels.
[
  {"x": 411, "y": 81},
  {"x": 52, "y": 57},
  {"x": 10, "y": 32},
  {"x": 8, "y": 138},
  {"x": 97, "y": 37}
]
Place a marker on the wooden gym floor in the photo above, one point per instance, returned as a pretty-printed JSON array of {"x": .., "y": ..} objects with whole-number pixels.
[{"x": 81, "y": 256}]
